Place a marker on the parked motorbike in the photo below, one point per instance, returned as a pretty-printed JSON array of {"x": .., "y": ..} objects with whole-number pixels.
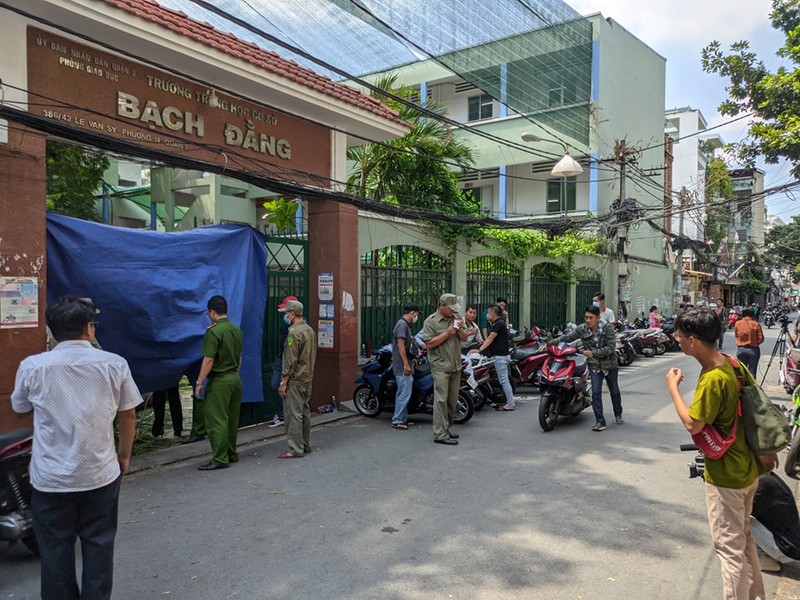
[
  {"x": 625, "y": 352},
  {"x": 476, "y": 374},
  {"x": 789, "y": 375},
  {"x": 654, "y": 341},
  {"x": 733, "y": 316},
  {"x": 16, "y": 519},
  {"x": 377, "y": 389},
  {"x": 565, "y": 383},
  {"x": 790, "y": 465},
  {"x": 525, "y": 365}
]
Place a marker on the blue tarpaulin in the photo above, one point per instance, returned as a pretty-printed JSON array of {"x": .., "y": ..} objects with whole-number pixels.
[{"x": 152, "y": 289}]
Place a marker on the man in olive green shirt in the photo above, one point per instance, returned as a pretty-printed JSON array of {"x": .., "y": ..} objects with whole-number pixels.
[
  {"x": 299, "y": 356},
  {"x": 443, "y": 333},
  {"x": 222, "y": 359}
]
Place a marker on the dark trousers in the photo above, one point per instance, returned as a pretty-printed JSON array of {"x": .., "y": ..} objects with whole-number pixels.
[
  {"x": 750, "y": 356},
  {"x": 61, "y": 518},
  {"x": 597, "y": 393},
  {"x": 160, "y": 400}
]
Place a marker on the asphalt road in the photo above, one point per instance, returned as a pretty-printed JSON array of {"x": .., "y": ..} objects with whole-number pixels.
[{"x": 511, "y": 512}]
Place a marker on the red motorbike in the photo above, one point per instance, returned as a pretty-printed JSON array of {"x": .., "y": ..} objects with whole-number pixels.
[
  {"x": 565, "y": 383},
  {"x": 526, "y": 363},
  {"x": 16, "y": 522}
]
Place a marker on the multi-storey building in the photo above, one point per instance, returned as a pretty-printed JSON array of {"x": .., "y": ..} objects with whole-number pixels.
[{"x": 588, "y": 87}]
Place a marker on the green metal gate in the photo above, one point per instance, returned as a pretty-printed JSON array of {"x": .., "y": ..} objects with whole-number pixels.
[
  {"x": 548, "y": 295},
  {"x": 287, "y": 275},
  {"x": 490, "y": 278},
  {"x": 588, "y": 284},
  {"x": 393, "y": 276}
]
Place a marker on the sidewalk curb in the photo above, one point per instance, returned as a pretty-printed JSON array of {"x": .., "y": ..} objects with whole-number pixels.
[{"x": 248, "y": 436}]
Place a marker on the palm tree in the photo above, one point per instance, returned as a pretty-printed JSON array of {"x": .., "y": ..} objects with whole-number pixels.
[{"x": 419, "y": 169}]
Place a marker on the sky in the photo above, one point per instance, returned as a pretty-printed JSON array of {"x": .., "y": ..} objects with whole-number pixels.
[{"x": 678, "y": 30}]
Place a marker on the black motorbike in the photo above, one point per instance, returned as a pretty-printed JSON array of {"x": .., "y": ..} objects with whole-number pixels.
[
  {"x": 377, "y": 389},
  {"x": 16, "y": 519}
]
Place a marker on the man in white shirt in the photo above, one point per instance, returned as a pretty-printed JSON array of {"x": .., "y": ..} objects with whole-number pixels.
[
  {"x": 606, "y": 314},
  {"x": 75, "y": 392}
]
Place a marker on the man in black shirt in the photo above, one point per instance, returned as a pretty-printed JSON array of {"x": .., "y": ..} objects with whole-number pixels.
[{"x": 496, "y": 345}]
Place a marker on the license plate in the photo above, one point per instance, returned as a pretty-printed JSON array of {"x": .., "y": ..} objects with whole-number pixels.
[{"x": 472, "y": 382}]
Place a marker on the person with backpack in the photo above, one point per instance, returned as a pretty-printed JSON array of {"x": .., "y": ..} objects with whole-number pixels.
[{"x": 731, "y": 479}]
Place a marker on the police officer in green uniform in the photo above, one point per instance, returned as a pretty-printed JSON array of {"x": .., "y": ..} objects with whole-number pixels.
[
  {"x": 222, "y": 358},
  {"x": 299, "y": 356}
]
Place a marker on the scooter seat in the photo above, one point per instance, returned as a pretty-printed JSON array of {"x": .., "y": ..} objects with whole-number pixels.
[
  {"x": 522, "y": 353},
  {"x": 422, "y": 370},
  {"x": 580, "y": 364},
  {"x": 12, "y": 437}
]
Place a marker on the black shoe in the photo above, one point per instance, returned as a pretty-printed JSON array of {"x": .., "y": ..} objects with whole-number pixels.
[
  {"x": 453, "y": 436},
  {"x": 448, "y": 441},
  {"x": 158, "y": 434},
  {"x": 211, "y": 466},
  {"x": 192, "y": 439}
]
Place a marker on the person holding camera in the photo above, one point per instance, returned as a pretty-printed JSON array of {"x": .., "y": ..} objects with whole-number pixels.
[
  {"x": 732, "y": 479},
  {"x": 443, "y": 333},
  {"x": 749, "y": 337}
]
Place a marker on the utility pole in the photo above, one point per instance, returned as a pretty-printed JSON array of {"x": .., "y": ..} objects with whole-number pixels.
[
  {"x": 621, "y": 152},
  {"x": 683, "y": 195}
]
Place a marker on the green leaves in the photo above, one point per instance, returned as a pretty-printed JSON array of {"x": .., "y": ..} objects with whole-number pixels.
[
  {"x": 419, "y": 170},
  {"x": 774, "y": 98},
  {"x": 74, "y": 176},
  {"x": 281, "y": 213}
]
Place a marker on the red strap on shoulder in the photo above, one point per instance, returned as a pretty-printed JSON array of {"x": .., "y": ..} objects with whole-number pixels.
[{"x": 739, "y": 378}]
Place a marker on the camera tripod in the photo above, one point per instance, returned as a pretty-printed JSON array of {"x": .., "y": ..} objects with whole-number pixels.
[{"x": 779, "y": 349}]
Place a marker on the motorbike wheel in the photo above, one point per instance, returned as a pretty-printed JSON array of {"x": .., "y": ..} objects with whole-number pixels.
[
  {"x": 29, "y": 539},
  {"x": 478, "y": 399},
  {"x": 648, "y": 351},
  {"x": 661, "y": 348},
  {"x": 548, "y": 411},
  {"x": 366, "y": 401},
  {"x": 790, "y": 464},
  {"x": 464, "y": 408}
]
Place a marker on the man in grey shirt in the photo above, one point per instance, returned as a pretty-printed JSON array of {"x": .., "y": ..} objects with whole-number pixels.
[
  {"x": 403, "y": 364},
  {"x": 76, "y": 392}
]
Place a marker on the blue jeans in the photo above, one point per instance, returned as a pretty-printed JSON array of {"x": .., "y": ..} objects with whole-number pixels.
[
  {"x": 405, "y": 383},
  {"x": 597, "y": 393},
  {"x": 501, "y": 366}
]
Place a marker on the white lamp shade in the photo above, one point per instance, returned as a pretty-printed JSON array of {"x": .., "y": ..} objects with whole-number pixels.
[{"x": 567, "y": 167}]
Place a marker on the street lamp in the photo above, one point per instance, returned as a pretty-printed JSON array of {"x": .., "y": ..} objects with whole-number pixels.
[{"x": 566, "y": 167}]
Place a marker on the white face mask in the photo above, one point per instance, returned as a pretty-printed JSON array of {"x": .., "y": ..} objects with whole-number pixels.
[{"x": 415, "y": 319}]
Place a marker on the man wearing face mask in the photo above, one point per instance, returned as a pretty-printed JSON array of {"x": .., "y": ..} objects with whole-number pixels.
[
  {"x": 299, "y": 357},
  {"x": 606, "y": 314},
  {"x": 403, "y": 364}
]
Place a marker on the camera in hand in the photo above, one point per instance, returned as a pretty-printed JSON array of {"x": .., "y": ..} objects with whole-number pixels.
[{"x": 697, "y": 468}]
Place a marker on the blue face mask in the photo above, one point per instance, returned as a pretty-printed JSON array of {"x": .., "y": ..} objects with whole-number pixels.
[
  {"x": 596, "y": 303},
  {"x": 287, "y": 320}
]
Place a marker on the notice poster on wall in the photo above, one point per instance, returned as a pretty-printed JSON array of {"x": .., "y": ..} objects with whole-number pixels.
[
  {"x": 19, "y": 302},
  {"x": 325, "y": 287},
  {"x": 325, "y": 333}
]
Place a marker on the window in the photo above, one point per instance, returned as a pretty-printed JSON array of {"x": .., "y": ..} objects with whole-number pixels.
[
  {"x": 479, "y": 107},
  {"x": 554, "y": 199}
]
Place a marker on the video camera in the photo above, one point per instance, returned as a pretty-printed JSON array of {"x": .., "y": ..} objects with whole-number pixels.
[
  {"x": 697, "y": 468},
  {"x": 784, "y": 322}
]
